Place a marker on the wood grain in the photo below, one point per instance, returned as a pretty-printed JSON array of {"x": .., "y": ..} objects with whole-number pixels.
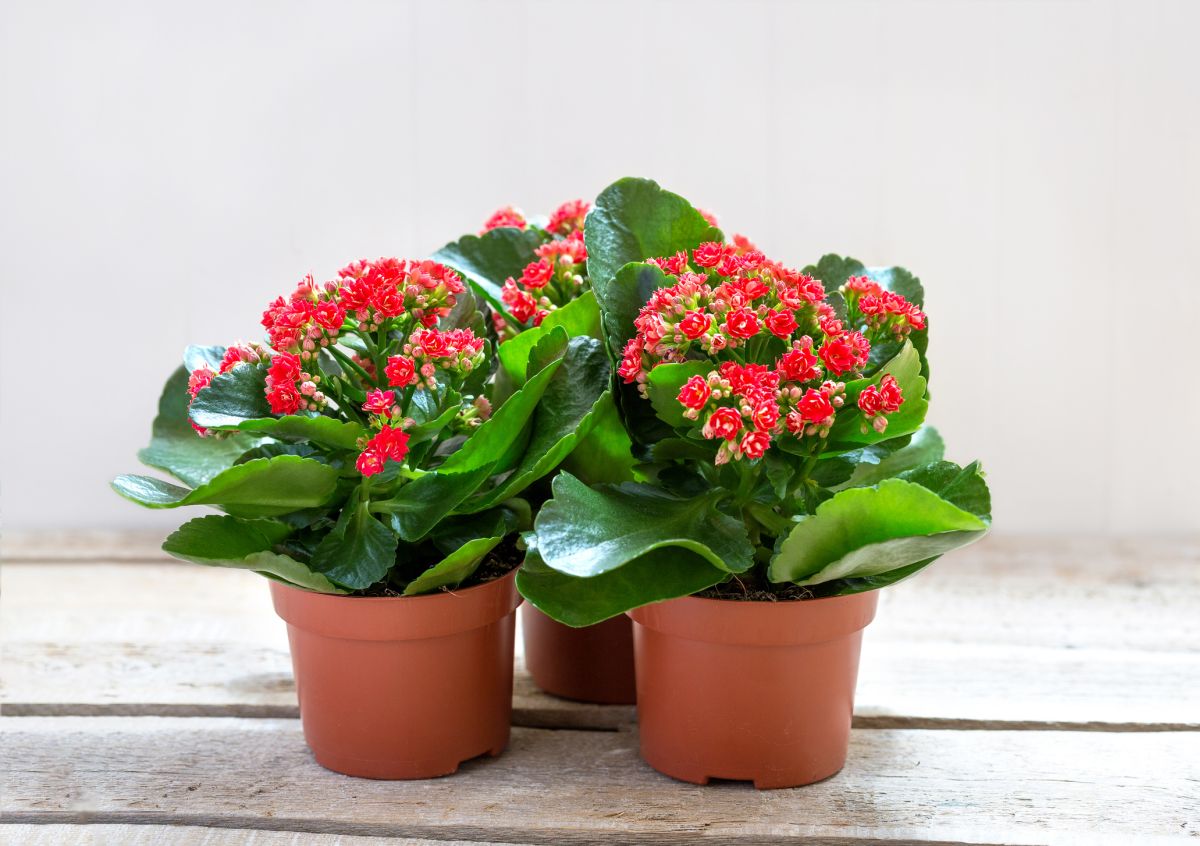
[
  {"x": 1028, "y": 633},
  {"x": 568, "y": 787},
  {"x": 181, "y": 835}
]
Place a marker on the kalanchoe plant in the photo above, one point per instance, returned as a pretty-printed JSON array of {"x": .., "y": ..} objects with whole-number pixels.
[
  {"x": 365, "y": 447},
  {"x": 778, "y": 415}
]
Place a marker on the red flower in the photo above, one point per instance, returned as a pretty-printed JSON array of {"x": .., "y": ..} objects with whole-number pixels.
[
  {"x": 870, "y": 402},
  {"x": 709, "y": 217},
  {"x": 709, "y": 254},
  {"x": 695, "y": 324},
  {"x": 631, "y": 360},
  {"x": 890, "y": 394},
  {"x": 723, "y": 423},
  {"x": 284, "y": 399},
  {"x": 568, "y": 217},
  {"x": 730, "y": 264},
  {"x": 379, "y": 402},
  {"x": 390, "y": 443},
  {"x": 507, "y": 216},
  {"x": 521, "y": 304},
  {"x": 765, "y": 415},
  {"x": 199, "y": 380},
  {"x": 862, "y": 285},
  {"x": 671, "y": 264},
  {"x": 780, "y": 323},
  {"x": 798, "y": 365},
  {"x": 743, "y": 244},
  {"x": 814, "y": 406},
  {"x": 695, "y": 393},
  {"x": 400, "y": 371},
  {"x": 754, "y": 444},
  {"x": 537, "y": 274},
  {"x": 741, "y": 323},
  {"x": 846, "y": 351},
  {"x": 369, "y": 463}
]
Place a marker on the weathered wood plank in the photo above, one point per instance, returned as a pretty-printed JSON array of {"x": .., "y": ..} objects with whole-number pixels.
[
  {"x": 1009, "y": 633},
  {"x": 175, "y": 835},
  {"x": 82, "y": 545},
  {"x": 567, "y": 787}
]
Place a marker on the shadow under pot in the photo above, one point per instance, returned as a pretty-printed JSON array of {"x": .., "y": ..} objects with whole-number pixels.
[
  {"x": 589, "y": 664},
  {"x": 751, "y": 691},
  {"x": 402, "y": 687}
]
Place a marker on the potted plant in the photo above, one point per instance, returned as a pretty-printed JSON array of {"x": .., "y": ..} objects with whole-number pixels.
[
  {"x": 533, "y": 273},
  {"x": 369, "y": 465},
  {"x": 785, "y": 477}
]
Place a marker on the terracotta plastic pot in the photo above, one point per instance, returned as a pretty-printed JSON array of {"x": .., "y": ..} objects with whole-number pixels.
[
  {"x": 753, "y": 691},
  {"x": 591, "y": 664},
  {"x": 405, "y": 687}
]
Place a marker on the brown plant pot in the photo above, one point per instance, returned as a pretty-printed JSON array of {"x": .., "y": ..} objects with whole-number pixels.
[
  {"x": 403, "y": 687},
  {"x": 591, "y": 664},
  {"x": 753, "y": 691}
]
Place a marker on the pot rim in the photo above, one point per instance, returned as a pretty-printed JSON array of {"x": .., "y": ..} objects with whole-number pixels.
[
  {"x": 749, "y": 623},
  {"x": 386, "y": 619}
]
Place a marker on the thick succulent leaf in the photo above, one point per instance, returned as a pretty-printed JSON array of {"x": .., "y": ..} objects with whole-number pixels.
[
  {"x": 963, "y": 486},
  {"x": 623, "y": 297},
  {"x": 900, "y": 281},
  {"x": 580, "y": 317},
  {"x": 197, "y": 355},
  {"x": 418, "y": 506},
  {"x": 586, "y": 531},
  {"x": 871, "y": 467},
  {"x": 232, "y": 398},
  {"x": 563, "y": 417},
  {"x": 661, "y": 574},
  {"x": 634, "y": 219},
  {"x": 359, "y": 550},
  {"x": 834, "y": 270},
  {"x": 455, "y": 531},
  {"x": 455, "y": 568},
  {"x": 313, "y": 428},
  {"x": 264, "y": 487},
  {"x": 867, "y": 531},
  {"x": 176, "y": 448},
  {"x": 862, "y": 584},
  {"x": 487, "y": 260},
  {"x": 243, "y": 544},
  {"x": 905, "y": 367},
  {"x": 664, "y": 382},
  {"x": 605, "y": 454}
]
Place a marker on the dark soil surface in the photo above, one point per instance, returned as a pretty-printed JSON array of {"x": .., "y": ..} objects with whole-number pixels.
[{"x": 747, "y": 588}]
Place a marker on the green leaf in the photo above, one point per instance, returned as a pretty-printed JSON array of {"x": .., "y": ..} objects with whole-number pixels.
[
  {"x": 264, "y": 487},
  {"x": 623, "y": 297},
  {"x": 867, "y": 531},
  {"x": 634, "y": 219},
  {"x": 580, "y": 317},
  {"x": 303, "y": 427},
  {"x": 418, "y": 506},
  {"x": 176, "y": 448},
  {"x": 219, "y": 541},
  {"x": 563, "y": 418},
  {"x": 455, "y": 568},
  {"x": 664, "y": 382},
  {"x": 359, "y": 550},
  {"x": 453, "y": 532},
  {"x": 232, "y": 398},
  {"x": 963, "y": 486},
  {"x": 487, "y": 260},
  {"x": 834, "y": 270},
  {"x": 926, "y": 446},
  {"x": 585, "y": 532},
  {"x": 905, "y": 367},
  {"x": 200, "y": 356},
  {"x": 661, "y": 574},
  {"x": 605, "y": 454}
]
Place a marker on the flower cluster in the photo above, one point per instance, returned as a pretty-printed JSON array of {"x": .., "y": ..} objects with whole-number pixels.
[
  {"x": 507, "y": 216},
  {"x": 376, "y": 291},
  {"x": 392, "y": 306},
  {"x": 290, "y": 388},
  {"x": 780, "y": 352},
  {"x": 559, "y": 274}
]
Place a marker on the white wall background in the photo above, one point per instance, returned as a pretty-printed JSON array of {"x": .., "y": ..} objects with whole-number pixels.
[{"x": 168, "y": 168}]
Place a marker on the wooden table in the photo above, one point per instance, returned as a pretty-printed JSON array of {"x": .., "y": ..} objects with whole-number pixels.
[{"x": 1022, "y": 691}]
